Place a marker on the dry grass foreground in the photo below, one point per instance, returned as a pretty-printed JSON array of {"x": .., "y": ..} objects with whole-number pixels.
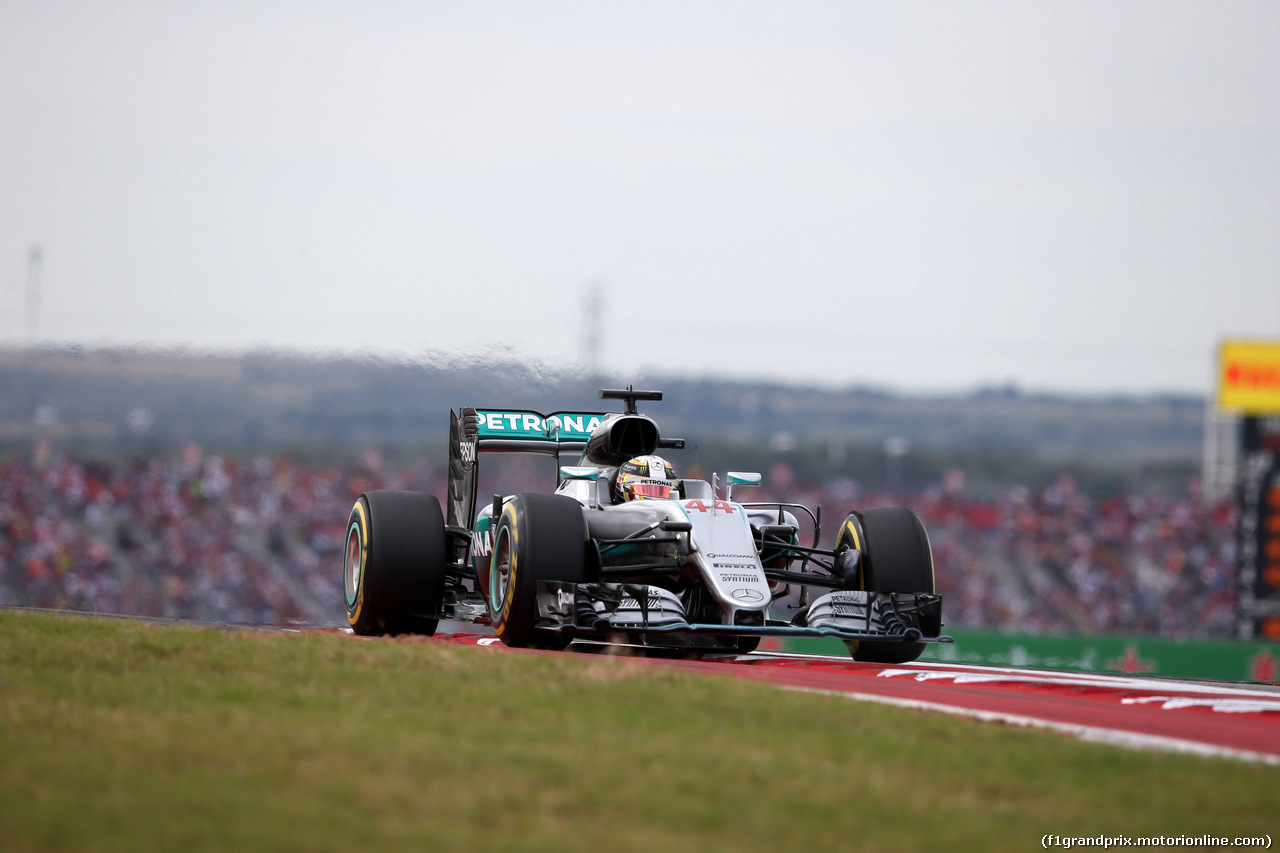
[{"x": 117, "y": 735}]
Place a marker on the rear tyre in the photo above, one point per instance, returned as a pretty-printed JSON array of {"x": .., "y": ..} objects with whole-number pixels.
[
  {"x": 393, "y": 573},
  {"x": 539, "y": 537},
  {"x": 896, "y": 557}
]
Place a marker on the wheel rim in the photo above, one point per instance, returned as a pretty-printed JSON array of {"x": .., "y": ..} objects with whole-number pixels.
[
  {"x": 353, "y": 563},
  {"x": 500, "y": 571}
]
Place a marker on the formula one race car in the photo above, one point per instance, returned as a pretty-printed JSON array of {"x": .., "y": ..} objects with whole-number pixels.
[{"x": 624, "y": 552}]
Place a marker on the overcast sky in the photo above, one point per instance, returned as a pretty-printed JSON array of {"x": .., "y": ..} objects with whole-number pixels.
[{"x": 925, "y": 196}]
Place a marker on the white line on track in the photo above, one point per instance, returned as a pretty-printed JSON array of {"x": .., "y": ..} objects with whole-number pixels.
[
  {"x": 1261, "y": 699},
  {"x": 928, "y": 670},
  {"x": 1093, "y": 734}
]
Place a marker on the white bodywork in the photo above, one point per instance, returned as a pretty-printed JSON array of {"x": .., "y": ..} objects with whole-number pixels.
[{"x": 720, "y": 544}]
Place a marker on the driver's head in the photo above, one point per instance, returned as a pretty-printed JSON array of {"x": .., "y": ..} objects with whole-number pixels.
[{"x": 645, "y": 477}]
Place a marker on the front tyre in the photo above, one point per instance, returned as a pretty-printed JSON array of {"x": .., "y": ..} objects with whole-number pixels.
[
  {"x": 539, "y": 537},
  {"x": 394, "y": 567},
  {"x": 895, "y": 557}
]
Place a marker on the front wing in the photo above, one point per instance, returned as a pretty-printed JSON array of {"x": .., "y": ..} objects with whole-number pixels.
[{"x": 602, "y": 608}]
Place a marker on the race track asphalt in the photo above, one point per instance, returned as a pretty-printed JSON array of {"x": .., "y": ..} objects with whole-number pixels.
[{"x": 1239, "y": 720}]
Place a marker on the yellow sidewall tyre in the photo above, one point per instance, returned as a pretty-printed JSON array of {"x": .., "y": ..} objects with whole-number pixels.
[
  {"x": 895, "y": 557},
  {"x": 394, "y": 563},
  {"x": 538, "y": 537}
]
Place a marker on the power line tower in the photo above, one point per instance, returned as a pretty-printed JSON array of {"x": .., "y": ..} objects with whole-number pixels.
[
  {"x": 35, "y": 261},
  {"x": 592, "y": 342}
]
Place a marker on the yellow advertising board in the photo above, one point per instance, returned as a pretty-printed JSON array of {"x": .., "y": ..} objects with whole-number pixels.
[{"x": 1249, "y": 377}]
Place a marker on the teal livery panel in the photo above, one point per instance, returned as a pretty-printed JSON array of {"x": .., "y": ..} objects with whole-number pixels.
[{"x": 532, "y": 426}]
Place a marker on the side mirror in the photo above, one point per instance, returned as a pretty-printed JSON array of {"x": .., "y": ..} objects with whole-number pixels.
[
  {"x": 584, "y": 474},
  {"x": 572, "y": 472},
  {"x": 738, "y": 478}
]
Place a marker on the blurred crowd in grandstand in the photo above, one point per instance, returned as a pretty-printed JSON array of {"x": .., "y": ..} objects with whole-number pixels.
[{"x": 208, "y": 538}]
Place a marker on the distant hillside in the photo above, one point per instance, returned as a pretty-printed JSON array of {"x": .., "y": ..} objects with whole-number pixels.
[{"x": 120, "y": 401}]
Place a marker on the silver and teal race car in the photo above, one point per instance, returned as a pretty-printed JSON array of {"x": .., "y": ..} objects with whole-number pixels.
[{"x": 682, "y": 569}]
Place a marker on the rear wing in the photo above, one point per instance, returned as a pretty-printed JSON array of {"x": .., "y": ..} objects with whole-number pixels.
[
  {"x": 476, "y": 431},
  {"x": 522, "y": 431}
]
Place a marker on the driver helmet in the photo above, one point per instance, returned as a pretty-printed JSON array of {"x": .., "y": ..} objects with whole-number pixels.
[{"x": 645, "y": 477}]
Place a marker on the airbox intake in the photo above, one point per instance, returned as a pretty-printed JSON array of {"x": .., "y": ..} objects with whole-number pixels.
[{"x": 622, "y": 438}]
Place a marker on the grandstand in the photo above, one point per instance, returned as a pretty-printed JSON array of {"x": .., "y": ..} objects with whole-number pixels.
[{"x": 205, "y": 537}]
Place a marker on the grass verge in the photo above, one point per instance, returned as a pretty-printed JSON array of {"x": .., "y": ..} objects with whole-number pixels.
[{"x": 117, "y": 735}]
